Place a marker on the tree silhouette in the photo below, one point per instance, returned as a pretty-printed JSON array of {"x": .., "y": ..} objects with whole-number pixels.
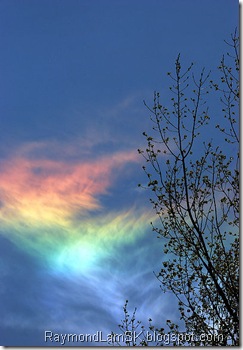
[{"x": 194, "y": 186}]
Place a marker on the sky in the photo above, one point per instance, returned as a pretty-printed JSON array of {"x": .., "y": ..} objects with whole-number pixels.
[{"x": 75, "y": 233}]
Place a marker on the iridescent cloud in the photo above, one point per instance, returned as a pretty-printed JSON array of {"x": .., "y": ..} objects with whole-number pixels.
[{"x": 52, "y": 209}]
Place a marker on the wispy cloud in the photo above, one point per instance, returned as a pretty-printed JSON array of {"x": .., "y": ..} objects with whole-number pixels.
[
  {"x": 88, "y": 242},
  {"x": 53, "y": 211},
  {"x": 54, "y": 208}
]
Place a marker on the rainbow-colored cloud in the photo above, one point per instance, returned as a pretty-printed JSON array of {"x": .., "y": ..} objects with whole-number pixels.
[{"x": 52, "y": 209}]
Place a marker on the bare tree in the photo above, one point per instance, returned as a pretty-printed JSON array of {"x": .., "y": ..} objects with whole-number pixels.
[{"x": 195, "y": 193}]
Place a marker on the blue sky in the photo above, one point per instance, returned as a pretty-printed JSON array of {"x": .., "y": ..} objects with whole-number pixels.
[{"x": 75, "y": 238}]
